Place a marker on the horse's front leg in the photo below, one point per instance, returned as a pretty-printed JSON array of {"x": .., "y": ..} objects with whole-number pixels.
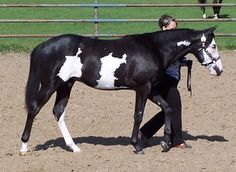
[
  {"x": 166, "y": 143},
  {"x": 141, "y": 99}
]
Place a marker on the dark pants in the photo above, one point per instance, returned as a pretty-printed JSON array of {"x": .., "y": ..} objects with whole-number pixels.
[{"x": 168, "y": 89}]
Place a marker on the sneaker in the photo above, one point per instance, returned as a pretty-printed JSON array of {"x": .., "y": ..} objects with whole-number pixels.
[{"x": 183, "y": 146}]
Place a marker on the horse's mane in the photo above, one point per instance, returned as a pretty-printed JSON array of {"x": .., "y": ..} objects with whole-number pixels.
[
  {"x": 177, "y": 34},
  {"x": 161, "y": 37},
  {"x": 183, "y": 32}
]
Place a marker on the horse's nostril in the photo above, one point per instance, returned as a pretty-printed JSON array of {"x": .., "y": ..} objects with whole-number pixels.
[{"x": 219, "y": 73}]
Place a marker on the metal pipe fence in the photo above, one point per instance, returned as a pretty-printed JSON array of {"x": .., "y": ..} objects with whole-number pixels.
[
  {"x": 106, "y": 20},
  {"x": 96, "y": 20},
  {"x": 97, "y": 5}
]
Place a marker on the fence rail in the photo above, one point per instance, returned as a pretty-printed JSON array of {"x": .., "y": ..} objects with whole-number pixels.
[
  {"x": 106, "y": 20},
  {"x": 97, "y": 20},
  {"x": 95, "y": 5},
  {"x": 90, "y": 35}
]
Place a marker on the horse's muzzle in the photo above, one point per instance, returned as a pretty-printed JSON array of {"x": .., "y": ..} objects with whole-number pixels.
[
  {"x": 215, "y": 68},
  {"x": 218, "y": 71}
]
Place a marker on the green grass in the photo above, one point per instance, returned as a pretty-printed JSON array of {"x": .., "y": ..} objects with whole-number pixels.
[{"x": 27, "y": 44}]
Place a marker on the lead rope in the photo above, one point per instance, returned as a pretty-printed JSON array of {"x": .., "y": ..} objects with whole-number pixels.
[{"x": 189, "y": 64}]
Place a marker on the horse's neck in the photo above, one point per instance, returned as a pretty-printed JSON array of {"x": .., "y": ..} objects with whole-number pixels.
[
  {"x": 177, "y": 55},
  {"x": 181, "y": 54},
  {"x": 173, "y": 54},
  {"x": 173, "y": 45}
]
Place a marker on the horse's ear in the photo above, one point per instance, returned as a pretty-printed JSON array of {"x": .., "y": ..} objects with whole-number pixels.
[
  {"x": 199, "y": 33},
  {"x": 212, "y": 29}
]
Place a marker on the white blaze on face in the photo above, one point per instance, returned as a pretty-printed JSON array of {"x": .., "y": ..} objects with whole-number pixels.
[
  {"x": 185, "y": 43},
  {"x": 107, "y": 72},
  {"x": 71, "y": 67},
  {"x": 207, "y": 58},
  {"x": 212, "y": 48}
]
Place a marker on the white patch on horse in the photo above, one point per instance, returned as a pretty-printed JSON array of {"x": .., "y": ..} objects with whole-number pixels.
[
  {"x": 108, "y": 68},
  {"x": 207, "y": 58},
  {"x": 71, "y": 67},
  {"x": 213, "y": 49},
  {"x": 203, "y": 38},
  {"x": 185, "y": 43}
]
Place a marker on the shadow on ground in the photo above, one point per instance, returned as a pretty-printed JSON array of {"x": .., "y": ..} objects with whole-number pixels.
[{"x": 121, "y": 140}]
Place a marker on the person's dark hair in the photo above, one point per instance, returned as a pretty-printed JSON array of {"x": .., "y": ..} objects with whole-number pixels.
[{"x": 165, "y": 20}]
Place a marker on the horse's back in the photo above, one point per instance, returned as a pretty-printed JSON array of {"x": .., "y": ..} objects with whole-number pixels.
[
  {"x": 68, "y": 44},
  {"x": 104, "y": 64},
  {"x": 59, "y": 44}
]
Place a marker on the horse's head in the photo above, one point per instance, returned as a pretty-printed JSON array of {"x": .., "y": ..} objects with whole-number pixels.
[{"x": 206, "y": 51}]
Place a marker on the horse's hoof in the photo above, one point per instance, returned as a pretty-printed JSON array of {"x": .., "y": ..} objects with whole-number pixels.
[
  {"x": 165, "y": 146},
  {"x": 77, "y": 150},
  {"x": 141, "y": 152},
  {"x": 23, "y": 153}
]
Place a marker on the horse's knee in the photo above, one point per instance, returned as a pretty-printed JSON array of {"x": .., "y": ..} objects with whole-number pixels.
[
  {"x": 138, "y": 117},
  {"x": 33, "y": 109},
  {"x": 58, "y": 111}
]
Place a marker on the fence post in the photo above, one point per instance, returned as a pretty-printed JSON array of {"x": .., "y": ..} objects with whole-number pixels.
[{"x": 96, "y": 17}]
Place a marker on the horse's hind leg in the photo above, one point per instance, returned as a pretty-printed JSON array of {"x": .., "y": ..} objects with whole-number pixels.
[
  {"x": 141, "y": 99},
  {"x": 63, "y": 94},
  {"x": 43, "y": 95},
  {"x": 216, "y": 9},
  {"x": 203, "y": 8}
]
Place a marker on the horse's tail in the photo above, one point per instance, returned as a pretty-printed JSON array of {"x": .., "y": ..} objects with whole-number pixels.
[{"x": 33, "y": 83}]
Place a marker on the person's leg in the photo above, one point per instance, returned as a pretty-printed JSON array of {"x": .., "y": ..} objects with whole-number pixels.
[
  {"x": 153, "y": 125},
  {"x": 168, "y": 90},
  {"x": 174, "y": 100}
]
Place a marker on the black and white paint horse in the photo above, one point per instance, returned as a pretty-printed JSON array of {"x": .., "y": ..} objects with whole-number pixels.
[
  {"x": 216, "y": 9},
  {"x": 134, "y": 62}
]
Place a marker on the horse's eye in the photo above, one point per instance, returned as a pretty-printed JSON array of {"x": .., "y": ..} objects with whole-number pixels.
[{"x": 214, "y": 46}]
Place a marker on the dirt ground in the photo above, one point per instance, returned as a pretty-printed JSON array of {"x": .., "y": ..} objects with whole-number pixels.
[{"x": 101, "y": 124}]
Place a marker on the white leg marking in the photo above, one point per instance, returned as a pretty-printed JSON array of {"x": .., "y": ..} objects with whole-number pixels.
[
  {"x": 69, "y": 141},
  {"x": 215, "y": 16},
  {"x": 24, "y": 149},
  {"x": 204, "y": 16}
]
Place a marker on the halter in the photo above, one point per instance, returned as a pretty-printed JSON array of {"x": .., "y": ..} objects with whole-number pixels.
[{"x": 203, "y": 40}]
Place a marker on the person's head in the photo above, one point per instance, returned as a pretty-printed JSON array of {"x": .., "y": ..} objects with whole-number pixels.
[{"x": 167, "y": 22}]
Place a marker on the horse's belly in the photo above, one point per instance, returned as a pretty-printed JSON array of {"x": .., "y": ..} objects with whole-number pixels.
[{"x": 108, "y": 84}]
